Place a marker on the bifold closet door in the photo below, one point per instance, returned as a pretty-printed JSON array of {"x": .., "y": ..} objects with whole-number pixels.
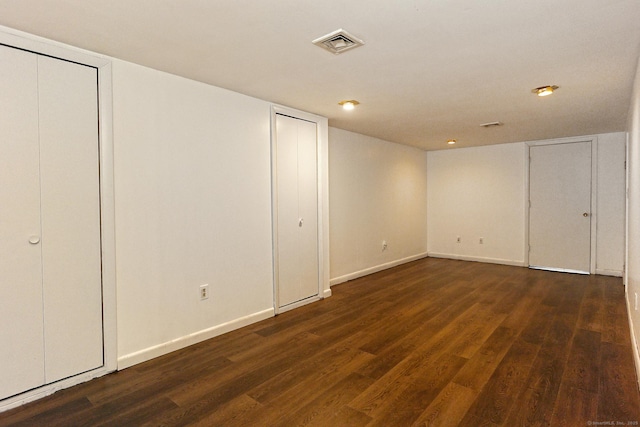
[
  {"x": 70, "y": 198},
  {"x": 21, "y": 331},
  {"x": 297, "y": 209},
  {"x": 50, "y": 251}
]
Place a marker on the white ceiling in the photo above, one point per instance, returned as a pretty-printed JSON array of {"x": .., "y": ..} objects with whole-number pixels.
[{"x": 430, "y": 69}]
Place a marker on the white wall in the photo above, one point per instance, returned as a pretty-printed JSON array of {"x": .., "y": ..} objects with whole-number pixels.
[
  {"x": 633, "y": 212},
  {"x": 193, "y": 206},
  {"x": 482, "y": 192},
  {"x": 477, "y": 192},
  {"x": 377, "y": 192}
]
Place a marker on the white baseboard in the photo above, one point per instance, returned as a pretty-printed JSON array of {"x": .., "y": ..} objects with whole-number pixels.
[
  {"x": 478, "y": 259},
  {"x": 326, "y": 293},
  {"x": 634, "y": 342},
  {"x": 614, "y": 273},
  {"x": 375, "y": 269},
  {"x": 46, "y": 390},
  {"x": 298, "y": 304},
  {"x": 161, "y": 349}
]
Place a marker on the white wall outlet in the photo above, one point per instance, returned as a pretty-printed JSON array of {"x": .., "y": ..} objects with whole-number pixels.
[
  {"x": 481, "y": 240},
  {"x": 204, "y": 291},
  {"x": 458, "y": 239},
  {"x": 384, "y": 245}
]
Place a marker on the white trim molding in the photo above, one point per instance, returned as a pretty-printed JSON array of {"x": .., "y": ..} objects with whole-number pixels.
[
  {"x": 375, "y": 269},
  {"x": 634, "y": 342},
  {"x": 167, "y": 347},
  {"x": 48, "y": 389},
  {"x": 614, "y": 273},
  {"x": 479, "y": 259}
]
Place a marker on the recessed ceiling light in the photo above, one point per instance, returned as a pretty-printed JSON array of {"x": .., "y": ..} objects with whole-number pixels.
[
  {"x": 349, "y": 104},
  {"x": 544, "y": 90},
  {"x": 451, "y": 141}
]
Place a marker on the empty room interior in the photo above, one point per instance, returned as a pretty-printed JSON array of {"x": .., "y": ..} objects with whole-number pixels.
[{"x": 319, "y": 213}]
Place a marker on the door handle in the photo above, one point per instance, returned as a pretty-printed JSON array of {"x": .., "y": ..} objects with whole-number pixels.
[
  {"x": 300, "y": 221},
  {"x": 585, "y": 214}
]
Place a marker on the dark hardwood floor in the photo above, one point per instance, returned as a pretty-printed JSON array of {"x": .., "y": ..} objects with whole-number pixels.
[{"x": 432, "y": 342}]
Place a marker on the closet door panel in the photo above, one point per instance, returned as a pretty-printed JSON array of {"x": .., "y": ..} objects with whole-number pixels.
[
  {"x": 68, "y": 109},
  {"x": 297, "y": 201},
  {"x": 289, "y": 257},
  {"x": 21, "y": 331},
  {"x": 308, "y": 202}
]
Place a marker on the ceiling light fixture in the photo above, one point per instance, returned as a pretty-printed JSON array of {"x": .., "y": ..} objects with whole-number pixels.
[
  {"x": 544, "y": 90},
  {"x": 349, "y": 104},
  {"x": 451, "y": 141}
]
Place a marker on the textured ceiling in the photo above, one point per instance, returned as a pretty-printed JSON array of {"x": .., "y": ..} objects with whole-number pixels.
[{"x": 429, "y": 70}]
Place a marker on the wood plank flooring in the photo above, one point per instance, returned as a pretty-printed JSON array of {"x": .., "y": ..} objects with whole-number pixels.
[{"x": 432, "y": 342}]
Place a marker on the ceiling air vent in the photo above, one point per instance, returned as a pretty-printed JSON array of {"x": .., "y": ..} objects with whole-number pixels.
[
  {"x": 491, "y": 124},
  {"x": 338, "y": 41}
]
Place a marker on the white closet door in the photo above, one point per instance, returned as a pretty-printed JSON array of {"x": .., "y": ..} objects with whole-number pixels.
[
  {"x": 297, "y": 201},
  {"x": 68, "y": 109},
  {"x": 560, "y": 212},
  {"x": 308, "y": 208},
  {"x": 287, "y": 209},
  {"x": 21, "y": 332}
]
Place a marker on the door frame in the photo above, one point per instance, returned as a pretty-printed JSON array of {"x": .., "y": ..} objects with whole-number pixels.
[
  {"x": 38, "y": 45},
  {"x": 322, "y": 156},
  {"x": 593, "y": 139}
]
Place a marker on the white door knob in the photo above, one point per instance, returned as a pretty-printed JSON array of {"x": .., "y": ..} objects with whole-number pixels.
[
  {"x": 34, "y": 240},
  {"x": 300, "y": 221}
]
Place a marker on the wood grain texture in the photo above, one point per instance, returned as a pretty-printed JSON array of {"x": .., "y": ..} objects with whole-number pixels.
[{"x": 432, "y": 342}]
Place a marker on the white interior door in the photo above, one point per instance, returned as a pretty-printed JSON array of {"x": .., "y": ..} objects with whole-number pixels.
[
  {"x": 21, "y": 332},
  {"x": 50, "y": 251},
  {"x": 297, "y": 210},
  {"x": 560, "y": 207}
]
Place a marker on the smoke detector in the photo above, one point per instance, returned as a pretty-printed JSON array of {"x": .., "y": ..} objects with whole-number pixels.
[{"x": 338, "y": 41}]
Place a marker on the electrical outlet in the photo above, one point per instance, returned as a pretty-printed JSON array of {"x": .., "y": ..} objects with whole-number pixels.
[
  {"x": 481, "y": 240},
  {"x": 458, "y": 239},
  {"x": 204, "y": 291},
  {"x": 384, "y": 245}
]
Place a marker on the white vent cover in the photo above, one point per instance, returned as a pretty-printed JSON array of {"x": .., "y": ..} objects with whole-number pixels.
[
  {"x": 338, "y": 41},
  {"x": 491, "y": 124}
]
